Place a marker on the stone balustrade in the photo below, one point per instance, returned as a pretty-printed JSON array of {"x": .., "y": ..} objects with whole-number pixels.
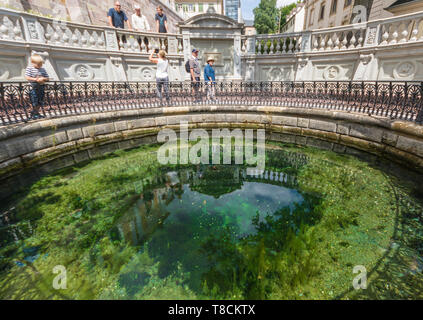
[
  {"x": 381, "y": 50},
  {"x": 342, "y": 38},
  {"x": 22, "y": 27},
  {"x": 278, "y": 44}
]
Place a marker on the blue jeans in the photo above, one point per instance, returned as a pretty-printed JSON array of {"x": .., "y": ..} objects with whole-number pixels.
[
  {"x": 162, "y": 83},
  {"x": 37, "y": 96}
]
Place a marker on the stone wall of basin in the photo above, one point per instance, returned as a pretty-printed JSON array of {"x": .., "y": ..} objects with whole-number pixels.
[
  {"x": 382, "y": 50},
  {"x": 28, "y": 151}
]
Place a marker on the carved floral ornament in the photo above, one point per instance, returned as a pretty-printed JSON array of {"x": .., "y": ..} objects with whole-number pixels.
[
  {"x": 371, "y": 35},
  {"x": 33, "y": 31},
  {"x": 83, "y": 72},
  {"x": 147, "y": 73},
  {"x": 331, "y": 73},
  {"x": 9, "y": 30},
  {"x": 405, "y": 70}
]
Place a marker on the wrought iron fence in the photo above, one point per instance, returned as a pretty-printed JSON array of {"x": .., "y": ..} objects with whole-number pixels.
[{"x": 395, "y": 100}]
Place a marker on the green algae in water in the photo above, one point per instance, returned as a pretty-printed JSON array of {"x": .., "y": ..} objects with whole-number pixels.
[{"x": 127, "y": 228}]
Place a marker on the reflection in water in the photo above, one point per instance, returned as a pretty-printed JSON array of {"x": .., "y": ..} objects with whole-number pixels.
[
  {"x": 147, "y": 231},
  {"x": 216, "y": 188},
  {"x": 203, "y": 220}
]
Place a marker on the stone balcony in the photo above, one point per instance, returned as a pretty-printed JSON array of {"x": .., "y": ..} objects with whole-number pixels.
[{"x": 381, "y": 50}]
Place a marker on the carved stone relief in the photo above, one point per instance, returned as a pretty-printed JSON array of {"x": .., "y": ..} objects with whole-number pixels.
[
  {"x": 401, "y": 69},
  {"x": 83, "y": 72},
  {"x": 33, "y": 30},
  {"x": 405, "y": 70},
  {"x": 275, "y": 73},
  {"x": 12, "y": 68},
  {"x": 371, "y": 36},
  {"x": 331, "y": 73}
]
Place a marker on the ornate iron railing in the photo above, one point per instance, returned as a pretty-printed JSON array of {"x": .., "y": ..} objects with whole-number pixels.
[{"x": 395, "y": 100}]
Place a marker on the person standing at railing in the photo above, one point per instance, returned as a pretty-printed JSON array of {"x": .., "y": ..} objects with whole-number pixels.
[
  {"x": 140, "y": 23},
  {"x": 117, "y": 17},
  {"x": 37, "y": 77},
  {"x": 162, "y": 75},
  {"x": 195, "y": 70},
  {"x": 161, "y": 21},
  {"x": 210, "y": 79}
]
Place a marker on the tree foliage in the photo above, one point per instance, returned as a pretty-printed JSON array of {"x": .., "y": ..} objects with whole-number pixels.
[
  {"x": 268, "y": 18},
  {"x": 265, "y": 17}
]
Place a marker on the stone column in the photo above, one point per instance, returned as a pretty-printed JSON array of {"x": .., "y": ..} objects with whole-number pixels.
[
  {"x": 367, "y": 68},
  {"x": 237, "y": 57},
  {"x": 173, "y": 44},
  {"x": 306, "y": 42},
  {"x": 250, "y": 70},
  {"x": 187, "y": 51}
]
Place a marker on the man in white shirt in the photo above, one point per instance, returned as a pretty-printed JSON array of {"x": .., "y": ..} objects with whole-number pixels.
[{"x": 139, "y": 21}]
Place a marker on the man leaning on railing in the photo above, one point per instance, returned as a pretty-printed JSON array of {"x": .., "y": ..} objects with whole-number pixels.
[
  {"x": 140, "y": 23},
  {"x": 117, "y": 17}
]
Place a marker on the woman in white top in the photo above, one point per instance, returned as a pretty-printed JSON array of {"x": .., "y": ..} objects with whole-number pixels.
[{"x": 162, "y": 76}]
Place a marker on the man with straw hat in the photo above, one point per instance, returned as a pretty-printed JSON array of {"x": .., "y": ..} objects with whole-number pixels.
[{"x": 210, "y": 78}]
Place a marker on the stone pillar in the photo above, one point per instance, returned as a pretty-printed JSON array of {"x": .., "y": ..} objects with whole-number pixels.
[
  {"x": 250, "y": 70},
  {"x": 367, "y": 68},
  {"x": 187, "y": 51},
  {"x": 306, "y": 42},
  {"x": 173, "y": 44},
  {"x": 237, "y": 57},
  {"x": 33, "y": 30},
  {"x": 111, "y": 40},
  {"x": 304, "y": 69},
  {"x": 372, "y": 33},
  {"x": 251, "y": 44},
  {"x": 119, "y": 73}
]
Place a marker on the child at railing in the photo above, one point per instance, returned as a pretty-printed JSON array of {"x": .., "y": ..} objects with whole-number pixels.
[{"x": 37, "y": 77}]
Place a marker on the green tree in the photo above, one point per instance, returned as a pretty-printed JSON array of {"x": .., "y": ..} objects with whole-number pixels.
[{"x": 266, "y": 17}]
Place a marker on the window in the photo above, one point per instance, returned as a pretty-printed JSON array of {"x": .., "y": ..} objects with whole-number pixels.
[
  {"x": 322, "y": 12},
  {"x": 200, "y": 7},
  {"x": 191, "y": 8},
  {"x": 347, "y": 3},
  {"x": 333, "y": 7}
]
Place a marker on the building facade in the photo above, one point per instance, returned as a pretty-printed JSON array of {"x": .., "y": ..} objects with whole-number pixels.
[
  {"x": 190, "y": 8},
  {"x": 321, "y": 14},
  {"x": 295, "y": 20},
  {"x": 233, "y": 9},
  {"x": 327, "y": 13}
]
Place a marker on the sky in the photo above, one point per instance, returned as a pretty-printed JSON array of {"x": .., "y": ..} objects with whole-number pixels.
[{"x": 249, "y": 5}]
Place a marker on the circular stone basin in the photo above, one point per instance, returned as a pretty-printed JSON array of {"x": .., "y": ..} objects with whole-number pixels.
[{"x": 314, "y": 225}]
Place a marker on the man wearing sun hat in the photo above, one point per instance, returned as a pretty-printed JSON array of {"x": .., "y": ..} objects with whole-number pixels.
[{"x": 210, "y": 78}]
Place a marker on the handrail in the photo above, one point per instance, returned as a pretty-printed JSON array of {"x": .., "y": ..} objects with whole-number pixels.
[{"x": 395, "y": 100}]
